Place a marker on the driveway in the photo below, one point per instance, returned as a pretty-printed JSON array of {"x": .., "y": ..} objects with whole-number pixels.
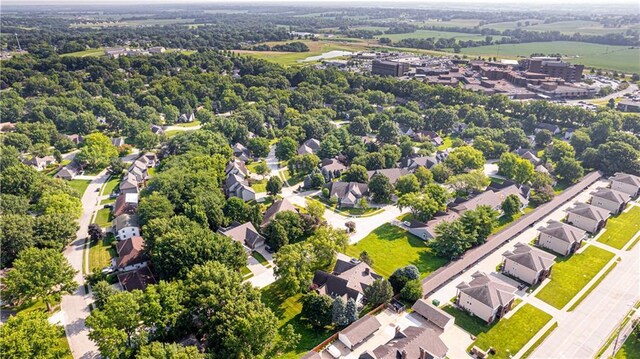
[{"x": 75, "y": 307}]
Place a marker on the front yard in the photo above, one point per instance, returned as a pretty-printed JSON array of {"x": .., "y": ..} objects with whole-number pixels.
[
  {"x": 287, "y": 310},
  {"x": 259, "y": 186},
  {"x": 508, "y": 336},
  {"x": 103, "y": 217},
  {"x": 295, "y": 179},
  {"x": 79, "y": 185},
  {"x": 621, "y": 229},
  {"x": 347, "y": 211},
  {"x": 111, "y": 185},
  {"x": 100, "y": 253},
  {"x": 391, "y": 247},
  {"x": 569, "y": 276}
]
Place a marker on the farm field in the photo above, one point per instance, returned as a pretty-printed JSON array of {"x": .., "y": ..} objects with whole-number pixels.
[
  {"x": 424, "y": 34},
  {"x": 134, "y": 23},
  {"x": 91, "y": 52},
  {"x": 291, "y": 58},
  {"x": 448, "y": 23},
  {"x": 567, "y": 27},
  {"x": 620, "y": 58}
]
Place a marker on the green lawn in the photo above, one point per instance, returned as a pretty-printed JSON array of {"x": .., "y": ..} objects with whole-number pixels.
[
  {"x": 621, "y": 229},
  {"x": 293, "y": 180},
  {"x": 252, "y": 166},
  {"x": 424, "y": 34},
  {"x": 100, "y": 253},
  {"x": 346, "y": 211},
  {"x": 630, "y": 349},
  {"x": 288, "y": 309},
  {"x": 172, "y": 133},
  {"x": 188, "y": 124},
  {"x": 391, "y": 247},
  {"x": 79, "y": 185},
  {"x": 260, "y": 258},
  {"x": 508, "y": 336},
  {"x": 540, "y": 340},
  {"x": 570, "y": 275},
  {"x": 292, "y": 58},
  {"x": 504, "y": 221},
  {"x": 447, "y": 142},
  {"x": 259, "y": 186},
  {"x": 111, "y": 185},
  {"x": 470, "y": 323},
  {"x": 103, "y": 217},
  {"x": 107, "y": 201},
  {"x": 90, "y": 52}
]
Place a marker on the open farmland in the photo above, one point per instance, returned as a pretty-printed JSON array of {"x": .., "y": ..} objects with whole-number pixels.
[
  {"x": 619, "y": 58},
  {"x": 567, "y": 27},
  {"x": 425, "y": 34}
]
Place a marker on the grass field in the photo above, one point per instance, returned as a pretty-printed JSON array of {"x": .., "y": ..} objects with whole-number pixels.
[
  {"x": 292, "y": 58},
  {"x": 391, "y": 247},
  {"x": 510, "y": 335},
  {"x": 449, "y": 23},
  {"x": 111, "y": 185},
  {"x": 424, "y": 34},
  {"x": 346, "y": 211},
  {"x": 287, "y": 310},
  {"x": 470, "y": 323},
  {"x": 620, "y": 58},
  {"x": 79, "y": 185},
  {"x": 621, "y": 229},
  {"x": 260, "y": 258},
  {"x": 187, "y": 124},
  {"x": 91, "y": 52},
  {"x": 569, "y": 276},
  {"x": 134, "y": 23},
  {"x": 100, "y": 253},
  {"x": 259, "y": 186},
  {"x": 103, "y": 217}
]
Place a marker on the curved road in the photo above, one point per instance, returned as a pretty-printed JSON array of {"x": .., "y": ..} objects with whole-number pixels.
[{"x": 75, "y": 307}]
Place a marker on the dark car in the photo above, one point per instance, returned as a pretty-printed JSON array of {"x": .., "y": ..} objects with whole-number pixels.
[{"x": 268, "y": 249}]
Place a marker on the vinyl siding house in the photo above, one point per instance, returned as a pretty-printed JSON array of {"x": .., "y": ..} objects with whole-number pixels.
[
  {"x": 609, "y": 199},
  {"x": 348, "y": 194},
  {"x": 126, "y": 226},
  {"x": 235, "y": 184},
  {"x": 246, "y": 234},
  {"x": 587, "y": 217},
  {"x": 626, "y": 183},
  {"x": 560, "y": 238},
  {"x": 348, "y": 281},
  {"x": 411, "y": 343},
  {"x": 130, "y": 254},
  {"x": 485, "y": 297},
  {"x": 528, "y": 264}
]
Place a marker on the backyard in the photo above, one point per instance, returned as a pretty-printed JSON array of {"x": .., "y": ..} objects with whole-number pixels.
[
  {"x": 79, "y": 185},
  {"x": 391, "y": 247},
  {"x": 509, "y": 335},
  {"x": 100, "y": 253},
  {"x": 570, "y": 275},
  {"x": 621, "y": 229},
  {"x": 288, "y": 309}
]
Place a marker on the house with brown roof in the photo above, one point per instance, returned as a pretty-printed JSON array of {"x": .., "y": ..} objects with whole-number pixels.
[
  {"x": 410, "y": 343},
  {"x": 246, "y": 234},
  {"x": 626, "y": 183},
  {"x": 492, "y": 197},
  {"x": 125, "y": 203},
  {"x": 527, "y": 264},
  {"x": 348, "y": 194},
  {"x": 427, "y": 231},
  {"x": 433, "y": 314},
  {"x": 359, "y": 331},
  {"x": 136, "y": 279},
  {"x": 331, "y": 168},
  {"x": 485, "y": 297},
  {"x": 610, "y": 199},
  {"x": 69, "y": 171},
  {"x": 281, "y": 205},
  {"x": 561, "y": 238},
  {"x": 130, "y": 254},
  {"x": 587, "y": 217},
  {"x": 430, "y": 136},
  {"x": 309, "y": 146},
  {"x": 391, "y": 173},
  {"x": 348, "y": 280}
]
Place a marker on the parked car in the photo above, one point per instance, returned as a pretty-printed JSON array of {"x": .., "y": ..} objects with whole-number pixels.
[{"x": 268, "y": 249}]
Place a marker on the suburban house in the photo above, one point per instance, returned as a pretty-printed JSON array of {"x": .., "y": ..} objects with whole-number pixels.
[
  {"x": 139, "y": 170},
  {"x": 241, "y": 152},
  {"x": 69, "y": 171},
  {"x": 331, "y": 168},
  {"x": 117, "y": 141},
  {"x": 125, "y": 203},
  {"x": 560, "y": 238},
  {"x": 309, "y": 146},
  {"x": 129, "y": 184},
  {"x": 485, "y": 297},
  {"x": 554, "y": 129},
  {"x": 359, "y": 331},
  {"x": 75, "y": 138},
  {"x": 610, "y": 199},
  {"x": 186, "y": 118},
  {"x": 126, "y": 226},
  {"x": 430, "y": 136},
  {"x": 426, "y": 231},
  {"x": 348, "y": 280},
  {"x": 411, "y": 343},
  {"x": 391, "y": 173},
  {"x": 40, "y": 163},
  {"x": 158, "y": 130},
  {"x": 492, "y": 197},
  {"x": 587, "y": 217},
  {"x": 528, "y": 155},
  {"x": 527, "y": 264},
  {"x": 421, "y": 161},
  {"x": 136, "y": 279},
  {"x": 626, "y": 183},
  {"x": 348, "y": 194},
  {"x": 236, "y": 167},
  {"x": 281, "y": 205},
  {"x": 150, "y": 158},
  {"x": 244, "y": 233},
  {"x": 237, "y": 186},
  {"x": 130, "y": 254},
  {"x": 433, "y": 314}
]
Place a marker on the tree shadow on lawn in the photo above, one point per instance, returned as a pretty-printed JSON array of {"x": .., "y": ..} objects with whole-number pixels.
[{"x": 468, "y": 322}]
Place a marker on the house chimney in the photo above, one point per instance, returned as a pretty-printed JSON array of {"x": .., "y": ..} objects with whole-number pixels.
[{"x": 367, "y": 271}]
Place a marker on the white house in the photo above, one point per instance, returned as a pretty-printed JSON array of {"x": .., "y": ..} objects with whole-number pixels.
[
  {"x": 609, "y": 199},
  {"x": 485, "y": 297},
  {"x": 126, "y": 226},
  {"x": 528, "y": 264},
  {"x": 561, "y": 238},
  {"x": 626, "y": 183},
  {"x": 589, "y": 218}
]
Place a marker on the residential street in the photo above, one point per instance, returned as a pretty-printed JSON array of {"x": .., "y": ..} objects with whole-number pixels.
[{"x": 75, "y": 307}]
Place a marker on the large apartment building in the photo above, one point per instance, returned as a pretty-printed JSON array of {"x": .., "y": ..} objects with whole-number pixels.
[
  {"x": 554, "y": 67},
  {"x": 389, "y": 68}
]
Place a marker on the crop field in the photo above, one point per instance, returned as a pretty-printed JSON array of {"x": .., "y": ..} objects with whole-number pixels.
[
  {"x": 134, "y": 23},
  {"x": 424, "y": 34},
  {"x": 449, "y": 23},
  {"x": 567, "y": 27},
  {"x": 619, "y": 58}
]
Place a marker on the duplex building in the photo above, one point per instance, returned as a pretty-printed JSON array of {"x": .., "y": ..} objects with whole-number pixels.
[
  {"x": 589, "y": 218},
  {"x": 609, "y": 199},
  {"x": 560, "y": 238},
  {"x": 485, "y": 297},
  {"x": 528, "y": 264},
  {"x": 411, "y": 343},
  {"x": 626, "y": 183}
]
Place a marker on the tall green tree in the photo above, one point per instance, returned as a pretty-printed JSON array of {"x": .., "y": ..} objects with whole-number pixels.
[{"x": 29, "y": 335}]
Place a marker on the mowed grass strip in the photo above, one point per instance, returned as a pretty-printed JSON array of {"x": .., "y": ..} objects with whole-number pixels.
[
  {"x": 391, "y": 247},
  {"x": 287, "y": 310},
  {"x": 621, "y": 229},
  {"x": 569, "y": 276},
  {"x": 79, "y": 185},
  {"x": 508, "y": 336}
]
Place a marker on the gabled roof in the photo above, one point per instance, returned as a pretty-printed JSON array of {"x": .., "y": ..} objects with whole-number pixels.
[
  {"x": 530, "y": 257},
  {"x": 332, "y": 164},
  {"x": 309, "y": 146},
  {"x": 136, "y": 279},
  {"x": 243, "y": 233},
  {"x": 130, "y": 252},
  {"x": 347, "y": 280},
  {"x": 611, "y": 195},
  {"x": 424, "y": 161},
  {"x": 563, "y": 232},
  {"x": 347, "y": 190},
  {"x": 430, "y": 226},
  {"x": 414, "y": 342},
  {"x": 486, "y": 198},
  {"x": 126, "y": 220},
  {"x": 626, "y": 178},
  {"x": 591, "y": 212},
  {"x": 432, "y": 313},
  {"x": 238, "y": 165},
  {"x": 488, "y": 290},
  {"x": 547, "y": 126},
  {"x": 281, "y": 205},
  {"x": 391, "y": 173},
  {"x": 128, "y": 181},
  {"x": 361, "y": 329}
]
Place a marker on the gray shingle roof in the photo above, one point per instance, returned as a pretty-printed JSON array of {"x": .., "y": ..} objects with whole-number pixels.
[
  {"x": 244, "y": 233},
  {"x": 126, "y": 220},
  {"x": 488, "y": 290},
  {"x": 361, "y": 329},
  {"x": 626, "y": 178},
  {"x": 530, "y": 257},
  {"x": 277, "y": 206},
  {"x": 611, "y": 195},
  {"x": 432, "y": 313},
  {"x": 563, "y": 231},
  {"x": 591, "y": 212},
  {"x": 412, "y": 341}
]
